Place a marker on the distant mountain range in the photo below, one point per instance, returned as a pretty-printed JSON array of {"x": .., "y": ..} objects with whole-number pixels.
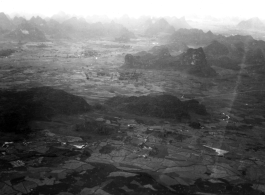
[
  {"x": 158, "y": 26},
  {"x": 178, "y": 23},
  {"x": 26, "y": 32},
  {"x": 251, "y": 24},
  {"x": 145, "y": 21},
  {"x": 215, "y": 49},
  {"x": 219, "y": 50},
  {"x": 38, "y": 29},
  {"x": 223, "y": 51},
  {"x": 63, "y": 26}
]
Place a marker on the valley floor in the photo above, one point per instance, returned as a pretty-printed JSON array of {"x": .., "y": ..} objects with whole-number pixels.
[{"x": 143, "y": 155}]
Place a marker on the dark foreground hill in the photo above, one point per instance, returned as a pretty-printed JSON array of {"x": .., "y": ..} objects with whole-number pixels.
[
  {"x": 218, "y": 54},
  {"x": 20, "y": 107},
  {"x": 161, "y": 106}
]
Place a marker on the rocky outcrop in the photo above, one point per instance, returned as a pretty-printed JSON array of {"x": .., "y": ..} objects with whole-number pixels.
[
  {"x": 130, "y": 61},
  {"x": 195, "y": 61},
  {"x": 194, "y": 57},
  {"x": 157, "y": 58}
]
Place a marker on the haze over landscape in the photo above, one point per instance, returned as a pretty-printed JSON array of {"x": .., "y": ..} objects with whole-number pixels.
[
  {"x": 132, "y": 97},
  {"x": 136, "y": 8}
]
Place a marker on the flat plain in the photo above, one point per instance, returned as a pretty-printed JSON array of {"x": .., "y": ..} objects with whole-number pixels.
[{"x": 139, "y": 154}]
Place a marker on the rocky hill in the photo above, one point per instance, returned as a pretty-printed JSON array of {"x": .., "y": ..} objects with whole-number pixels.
[
  {"x": 60, "y": 17},
  {"x": 196, "y": 37},
  {"x": 156, "y": 58},
  {"x": 159, "y": 26},
  {"x": 194, "y": 57},
  {"x": 223, "y": 51},
  {"x": 195, "y": 61},
  {"x": 216, "y": 49},
  {"x": 26, "y": 32},
  {"x": 18, "y": 20},
  {"x": 75, "y": 23},
  {"x": 53, "y": 30},
  {"x": 192, "y": 61},
  {"x": 5, "y": 23},
  {"x": 38, "y": 21},
  {"x": 218, "y": 54}
]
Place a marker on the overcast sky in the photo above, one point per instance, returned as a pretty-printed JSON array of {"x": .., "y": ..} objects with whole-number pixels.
[{"x": 135, "y": 8}]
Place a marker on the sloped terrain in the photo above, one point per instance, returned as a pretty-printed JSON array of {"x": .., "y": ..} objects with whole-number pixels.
[
  {"x": 19, "y": 108},
  {"x": 218, "y": 54}
]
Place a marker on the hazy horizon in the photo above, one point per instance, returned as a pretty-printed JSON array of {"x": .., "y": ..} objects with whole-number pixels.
[{"x": 136, "y": 8}]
